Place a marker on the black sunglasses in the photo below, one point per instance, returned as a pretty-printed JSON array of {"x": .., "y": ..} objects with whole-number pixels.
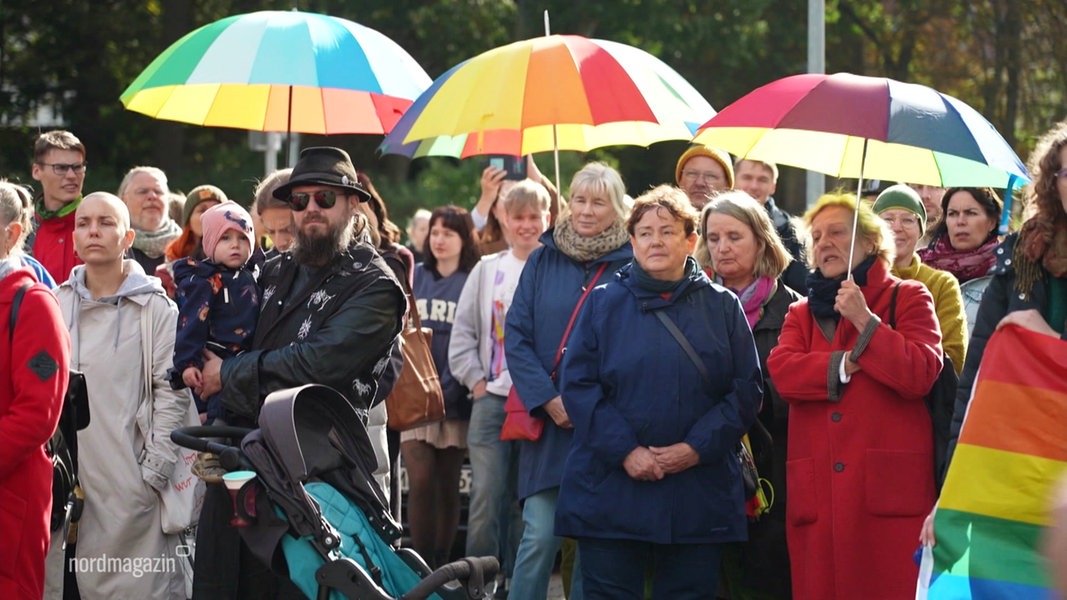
[{"x": 298, "y": 201}]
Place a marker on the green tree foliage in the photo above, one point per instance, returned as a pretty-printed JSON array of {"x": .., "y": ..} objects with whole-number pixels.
[{"x": 1002, "y": 57}]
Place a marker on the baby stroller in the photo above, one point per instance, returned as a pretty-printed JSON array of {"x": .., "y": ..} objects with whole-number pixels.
[{"x": 314, "y": 510}]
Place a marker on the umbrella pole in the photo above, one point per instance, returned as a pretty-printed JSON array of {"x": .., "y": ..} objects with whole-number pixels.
[
  {"x": 289, "y": 129},
  {"x": 555, "y": 157},
  {"x": 856, "y": 213},
  {"x": 555, "y": 139}
]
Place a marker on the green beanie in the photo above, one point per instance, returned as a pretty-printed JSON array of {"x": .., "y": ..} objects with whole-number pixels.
[
  {"x": 904, "y": 198},
  {"x": 201, "y": 193}
]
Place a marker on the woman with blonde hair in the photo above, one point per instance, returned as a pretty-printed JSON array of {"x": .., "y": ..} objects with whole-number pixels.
[
  {"x": 861, "y": 457},
  {"x": 740, "y": 249},
  {"x": 587, "y": 245}
]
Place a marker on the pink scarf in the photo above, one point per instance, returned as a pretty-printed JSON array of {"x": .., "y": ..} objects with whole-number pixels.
[
  {"x": 964, "y": 264},
  {"x": 753, "y": 297}
]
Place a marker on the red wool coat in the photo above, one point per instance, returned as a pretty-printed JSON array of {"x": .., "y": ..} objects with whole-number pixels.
[
  {"x": 33, "y": 380},
  {"x": 859, "y": 472}
]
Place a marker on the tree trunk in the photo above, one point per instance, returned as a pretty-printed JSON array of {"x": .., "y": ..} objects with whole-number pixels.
[{"x": 169, "y": 148}]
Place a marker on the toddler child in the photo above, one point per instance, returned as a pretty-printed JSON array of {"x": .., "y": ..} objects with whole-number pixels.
[{"x": 218, "y": 299}]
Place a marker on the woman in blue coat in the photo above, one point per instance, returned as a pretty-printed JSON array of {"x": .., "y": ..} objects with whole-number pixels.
[
  {"x": 589, "y": 238},
  {"x": 652, "y": 482}
]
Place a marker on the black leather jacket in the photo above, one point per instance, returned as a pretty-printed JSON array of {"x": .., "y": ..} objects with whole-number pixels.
[{"x": 336, "y": 330}]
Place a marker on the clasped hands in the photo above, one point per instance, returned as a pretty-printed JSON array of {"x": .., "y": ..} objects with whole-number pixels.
[{"x": 652, "y": 463}]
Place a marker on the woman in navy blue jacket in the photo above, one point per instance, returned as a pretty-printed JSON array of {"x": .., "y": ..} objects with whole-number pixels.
[
  {"x": 589, "y": 237},
  {"x": 652, "y": 480}
]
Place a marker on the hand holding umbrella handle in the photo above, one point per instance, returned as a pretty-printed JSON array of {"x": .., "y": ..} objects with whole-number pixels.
[{"x": 851, "y": 304}]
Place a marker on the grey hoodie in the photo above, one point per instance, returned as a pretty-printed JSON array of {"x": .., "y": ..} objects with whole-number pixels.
[{"x": 137, "y": 282}]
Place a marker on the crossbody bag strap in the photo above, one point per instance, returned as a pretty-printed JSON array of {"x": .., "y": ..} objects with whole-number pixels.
[
  {"x": 684, "y": 343},
  {"x": 691, "y": 352},
  {"x": 893, "y": 306},
  {"x": 574, "y": 316}
]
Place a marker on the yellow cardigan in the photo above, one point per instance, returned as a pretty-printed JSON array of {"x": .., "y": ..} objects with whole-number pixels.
[{"x": 948, "y": 302}]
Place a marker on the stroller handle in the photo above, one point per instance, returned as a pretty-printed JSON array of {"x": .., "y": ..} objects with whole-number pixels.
[
  {"x": 473, "y": 571},
  {"x": 203, "y": 438}
]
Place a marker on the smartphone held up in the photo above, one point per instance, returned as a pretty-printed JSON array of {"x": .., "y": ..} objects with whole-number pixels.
[{"x": 513, "y": 166}]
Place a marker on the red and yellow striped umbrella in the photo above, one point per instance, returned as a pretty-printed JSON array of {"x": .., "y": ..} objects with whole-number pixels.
[{"x": 509, "y": 100}]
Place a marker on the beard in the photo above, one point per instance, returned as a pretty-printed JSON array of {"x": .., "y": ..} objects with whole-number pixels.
[{"x": 317, "y": 249}]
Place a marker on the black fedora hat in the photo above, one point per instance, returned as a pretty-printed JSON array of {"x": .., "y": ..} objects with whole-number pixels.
[{"x": 323, "y": 165}]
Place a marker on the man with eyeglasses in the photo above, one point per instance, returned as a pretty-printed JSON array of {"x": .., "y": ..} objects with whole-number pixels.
[
  {"x": 702, "y": 171},
  {"x": 931, "y": 196},
  {"x": 59, "y": 164},
  {"x": 331, "y": 313},
  {"x": 902, "y": 208},
  {"x": 144, "y": 191},
  {"x": 759, "y": 179}
]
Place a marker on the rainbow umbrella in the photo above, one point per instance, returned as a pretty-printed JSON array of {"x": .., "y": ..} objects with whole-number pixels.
[
  {"x": 1011, "y": 455},
  {"x": 286, "y": 71},
  {"x": 861, "y": 127},
  {"x": 556, "y": 92},
  {"x": 854, "y": 126}
]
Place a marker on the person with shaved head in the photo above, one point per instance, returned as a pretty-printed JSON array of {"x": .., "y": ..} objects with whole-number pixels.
[{"x": 116, "y": 315}]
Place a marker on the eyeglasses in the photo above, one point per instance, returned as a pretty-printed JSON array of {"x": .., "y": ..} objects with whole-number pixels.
[
  {"x": 325, "y": 199},
  {"x": 62, "y": 168},
  {"x": 705, "y": 175}
]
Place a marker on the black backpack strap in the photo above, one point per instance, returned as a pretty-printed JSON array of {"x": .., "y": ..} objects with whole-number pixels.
[{"x": 16, "y": 302}]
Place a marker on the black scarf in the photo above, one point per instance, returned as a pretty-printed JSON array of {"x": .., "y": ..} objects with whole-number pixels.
[
  {"x": 651, "y": 284},
  {"x": 822, "y": 292}
]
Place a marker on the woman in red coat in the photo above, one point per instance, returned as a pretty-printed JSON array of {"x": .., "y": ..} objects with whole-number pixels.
[
  {"x": 33, "y": 381},
  {"x": 860, "y": 460}
]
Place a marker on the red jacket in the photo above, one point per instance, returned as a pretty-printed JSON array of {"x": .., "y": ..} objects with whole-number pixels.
[
  {"x": 54, "y": 246},
  {"x": 33, "y": 381},
  {"x": 859, "y": 470}
]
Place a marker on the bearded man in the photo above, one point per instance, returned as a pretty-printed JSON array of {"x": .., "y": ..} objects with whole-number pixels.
[{"x": 331, "y": 312}]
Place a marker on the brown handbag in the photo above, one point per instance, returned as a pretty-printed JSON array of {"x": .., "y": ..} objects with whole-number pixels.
[{"x": 416, "y": 398}]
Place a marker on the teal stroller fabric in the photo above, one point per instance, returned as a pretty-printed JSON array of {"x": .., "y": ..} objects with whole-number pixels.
[{"x": 358, "y": 541}]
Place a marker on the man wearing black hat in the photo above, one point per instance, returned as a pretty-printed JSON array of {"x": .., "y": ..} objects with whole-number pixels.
[{"x": 331, "y": 312}]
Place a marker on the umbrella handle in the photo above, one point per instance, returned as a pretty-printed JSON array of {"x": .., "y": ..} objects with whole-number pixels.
[
  {"x": 1005, "y": 216},
  {"x": 856, "y": 213}
]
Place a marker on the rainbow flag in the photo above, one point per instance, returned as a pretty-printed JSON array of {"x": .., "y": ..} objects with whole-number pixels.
[{"x": 1010, "y": 456}]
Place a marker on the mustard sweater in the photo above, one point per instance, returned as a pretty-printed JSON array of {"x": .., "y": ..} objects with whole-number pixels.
[{"x": 948, "y": 302}]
